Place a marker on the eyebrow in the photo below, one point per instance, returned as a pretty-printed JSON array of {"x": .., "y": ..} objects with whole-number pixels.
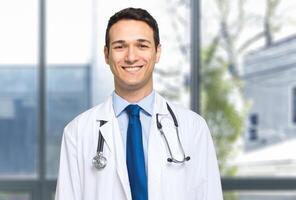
[
  {"x": 123, "y": 41},
  {"x": 144, "y": 40},
  {"x": 118, "y": 42}
]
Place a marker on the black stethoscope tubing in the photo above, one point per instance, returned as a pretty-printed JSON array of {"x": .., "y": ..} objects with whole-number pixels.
[
  {"x": 100, "y": 145},
  {"x": 159, "y": 127}
]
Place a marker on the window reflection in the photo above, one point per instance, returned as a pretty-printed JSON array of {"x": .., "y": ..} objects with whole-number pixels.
[
  {"x": 68, "y": 94},
  {"x": 18, "y": 119}
]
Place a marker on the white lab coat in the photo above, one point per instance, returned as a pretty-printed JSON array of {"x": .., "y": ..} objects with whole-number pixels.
[{"x": 197, "y": 179}]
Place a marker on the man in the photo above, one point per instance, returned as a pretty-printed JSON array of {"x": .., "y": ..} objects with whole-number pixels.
[{"x": 152, "y": 149}]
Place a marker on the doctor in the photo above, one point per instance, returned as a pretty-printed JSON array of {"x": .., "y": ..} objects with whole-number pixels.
[{"x": 152, "y": 148}]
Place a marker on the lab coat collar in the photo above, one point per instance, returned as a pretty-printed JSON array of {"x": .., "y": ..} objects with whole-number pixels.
[
  {"x": 105, "y": 110},
  {"x": 160, "y": 106},
  {"x": 105, "y": 113}
]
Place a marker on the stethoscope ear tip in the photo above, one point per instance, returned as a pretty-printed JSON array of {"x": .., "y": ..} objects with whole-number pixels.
[{"x": 187, "y": 158}]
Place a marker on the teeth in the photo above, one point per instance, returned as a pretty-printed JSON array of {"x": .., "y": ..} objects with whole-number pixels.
[{"x": 132, "y": 68}]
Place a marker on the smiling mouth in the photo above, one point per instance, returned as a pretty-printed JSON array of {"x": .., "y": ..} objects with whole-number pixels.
[{"x": 132, "y": 68}]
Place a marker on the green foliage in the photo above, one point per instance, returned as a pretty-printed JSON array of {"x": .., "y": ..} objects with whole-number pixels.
[{"x": 225, "y": 122}]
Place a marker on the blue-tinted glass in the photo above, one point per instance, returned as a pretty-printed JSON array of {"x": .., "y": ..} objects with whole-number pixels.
[
  {"x": 18, "y": 88},
  {"x": 18, "y": 120},
  {"x": 68, "y": 94}
]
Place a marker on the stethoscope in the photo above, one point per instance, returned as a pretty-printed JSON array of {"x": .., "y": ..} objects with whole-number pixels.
[
  {"x": 159, "y": 127},
  {"x": 100, "y": 161}
]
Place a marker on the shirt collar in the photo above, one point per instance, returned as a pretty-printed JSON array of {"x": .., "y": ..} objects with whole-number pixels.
[{"x": 119, "y": 104}]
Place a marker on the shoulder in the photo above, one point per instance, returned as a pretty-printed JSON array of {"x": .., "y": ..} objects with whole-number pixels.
[
  {"x": 188, "y": 115},
  {"x": 86, "y": 118},
  {"x": 179, "y": 109},
  {"x": 80, "y": 121},
  {"x": 185, "y": 115}
]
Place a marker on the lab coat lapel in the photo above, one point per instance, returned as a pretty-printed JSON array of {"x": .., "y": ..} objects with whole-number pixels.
[
  {"x": 111, "y": 134},
  {"x": 106, "y": 113},
  {"x": 156, "y": 152},
  {"x": 120, "y": 160}
]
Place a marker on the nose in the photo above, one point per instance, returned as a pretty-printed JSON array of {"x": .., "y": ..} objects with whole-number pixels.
[{"x": 131, "y": 56}]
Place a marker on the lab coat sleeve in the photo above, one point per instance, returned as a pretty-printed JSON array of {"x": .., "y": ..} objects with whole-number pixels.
[
  {"x": 69, "y": 184},
  {"x": 213, "y": 184}
]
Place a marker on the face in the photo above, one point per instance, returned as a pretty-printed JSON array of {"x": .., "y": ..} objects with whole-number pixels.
[{"x": 132, "y": 55}]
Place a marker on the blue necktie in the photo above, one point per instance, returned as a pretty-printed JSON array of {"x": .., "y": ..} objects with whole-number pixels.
[{"x": 135, "y": 155}]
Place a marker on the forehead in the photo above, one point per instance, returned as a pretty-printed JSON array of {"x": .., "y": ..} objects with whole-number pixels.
[{"x": 130, "y": 30}]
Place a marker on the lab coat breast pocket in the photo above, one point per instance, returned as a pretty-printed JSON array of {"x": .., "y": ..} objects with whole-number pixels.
[
  {"x": 179, "y": 184},
  {"x": 197, "y": 192}
]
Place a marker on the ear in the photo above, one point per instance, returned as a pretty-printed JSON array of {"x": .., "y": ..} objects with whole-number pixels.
[
  {"x": 106, "y": 53},
  {"x": 158, "y": 52}
]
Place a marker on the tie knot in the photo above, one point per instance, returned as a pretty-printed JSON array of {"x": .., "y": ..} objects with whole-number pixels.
[{"x": 133, "y": 110}]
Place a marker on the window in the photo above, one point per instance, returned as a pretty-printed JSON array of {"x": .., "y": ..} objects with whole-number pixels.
[
  {"x": 253, "y": 126},
  {"x": 246, "y": 71},
  {"x": 18, "y": 119},
  {"x": 244, "y": 78},
  {"x": 18, "y": 89}
]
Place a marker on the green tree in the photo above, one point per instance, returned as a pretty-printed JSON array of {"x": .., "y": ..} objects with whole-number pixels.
[{"x": 225, "y": 122}]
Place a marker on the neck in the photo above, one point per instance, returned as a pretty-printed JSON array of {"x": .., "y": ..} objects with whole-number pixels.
[{"x": 133, "y": 96}]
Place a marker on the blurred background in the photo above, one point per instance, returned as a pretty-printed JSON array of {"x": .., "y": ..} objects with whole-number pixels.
[{"x": 233, "y": 61}]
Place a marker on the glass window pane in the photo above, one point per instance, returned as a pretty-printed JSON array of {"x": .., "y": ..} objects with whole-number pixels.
[
  {"x": 248, "y": 75},
  {"x": 67, "y": 96},
  {"x": 68, "y": 71},
  {"x": 18, "y": 88},
  {"x": 14, "y": 196}
]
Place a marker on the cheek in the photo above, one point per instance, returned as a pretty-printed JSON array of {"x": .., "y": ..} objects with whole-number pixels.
[
  {"x": 151, "y": 59},
  {"x": 117, "y": 58},
  {"x": 147, "y": 57}
]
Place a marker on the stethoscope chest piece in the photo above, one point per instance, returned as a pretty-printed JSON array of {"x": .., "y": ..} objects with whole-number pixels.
[{"x": 99, "y": 161}]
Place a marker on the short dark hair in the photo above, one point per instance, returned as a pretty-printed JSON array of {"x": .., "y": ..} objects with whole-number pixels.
[{"x": 133, "y": 14}]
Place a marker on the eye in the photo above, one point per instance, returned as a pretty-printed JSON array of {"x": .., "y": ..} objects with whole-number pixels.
[
  {"x": 143, "y": 46},
  {"x": 118, "y": 47}
]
